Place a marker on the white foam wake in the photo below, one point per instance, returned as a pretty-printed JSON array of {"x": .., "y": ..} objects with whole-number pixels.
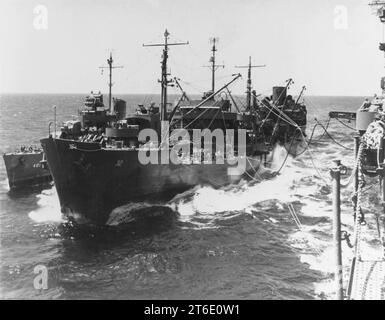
[{"x": 49, "y": 207}]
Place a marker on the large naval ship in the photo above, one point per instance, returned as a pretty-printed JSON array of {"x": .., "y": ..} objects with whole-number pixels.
[{"x": 108, "y": 158}]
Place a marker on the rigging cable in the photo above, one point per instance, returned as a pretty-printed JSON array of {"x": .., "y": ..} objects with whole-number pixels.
[
  {"x": 304, "y": 139},
  {"x": 335, "y": 141},
  {"x": 347, "y": 126}
]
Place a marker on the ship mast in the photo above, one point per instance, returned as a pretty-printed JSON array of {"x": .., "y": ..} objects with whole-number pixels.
[
  {"x": 110, "y": 84},
  {"x": 165, "y": 81},
  {"x": 213, "y": 66},
  {"x": 249, "y": 87}
]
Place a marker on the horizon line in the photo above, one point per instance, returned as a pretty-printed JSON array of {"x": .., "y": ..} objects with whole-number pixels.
[{"x": 149, "y": 93}]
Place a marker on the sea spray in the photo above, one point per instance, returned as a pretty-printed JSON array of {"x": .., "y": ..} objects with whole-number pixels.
[{"x": 49, "y": 207}]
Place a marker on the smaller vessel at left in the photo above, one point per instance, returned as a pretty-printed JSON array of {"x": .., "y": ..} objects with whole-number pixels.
[{"x": 26, "y": 167}]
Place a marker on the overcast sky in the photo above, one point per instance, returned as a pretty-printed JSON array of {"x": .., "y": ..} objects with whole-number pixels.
[{"x": 307, "y": 40}]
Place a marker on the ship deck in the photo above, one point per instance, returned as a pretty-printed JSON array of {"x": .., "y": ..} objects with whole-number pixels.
[{"x": 367, "y": 279}]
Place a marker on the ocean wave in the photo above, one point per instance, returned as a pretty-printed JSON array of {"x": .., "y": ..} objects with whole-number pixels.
[{"x": 134, "y": 211}]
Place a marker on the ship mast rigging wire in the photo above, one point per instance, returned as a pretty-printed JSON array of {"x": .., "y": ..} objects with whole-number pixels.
[
  {"x": 344, "y": 124},
  {"x": 308, "y": 149},
  {"x": 335, "y": 141}
]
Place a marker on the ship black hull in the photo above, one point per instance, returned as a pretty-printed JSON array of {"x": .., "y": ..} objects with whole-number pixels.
[
  {"x": 26, "y": 169},
  {"x": 92, "y": 181}
]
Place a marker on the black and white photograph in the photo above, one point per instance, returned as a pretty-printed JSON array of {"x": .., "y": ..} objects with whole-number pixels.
[{"x": 192, "y": 154}]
